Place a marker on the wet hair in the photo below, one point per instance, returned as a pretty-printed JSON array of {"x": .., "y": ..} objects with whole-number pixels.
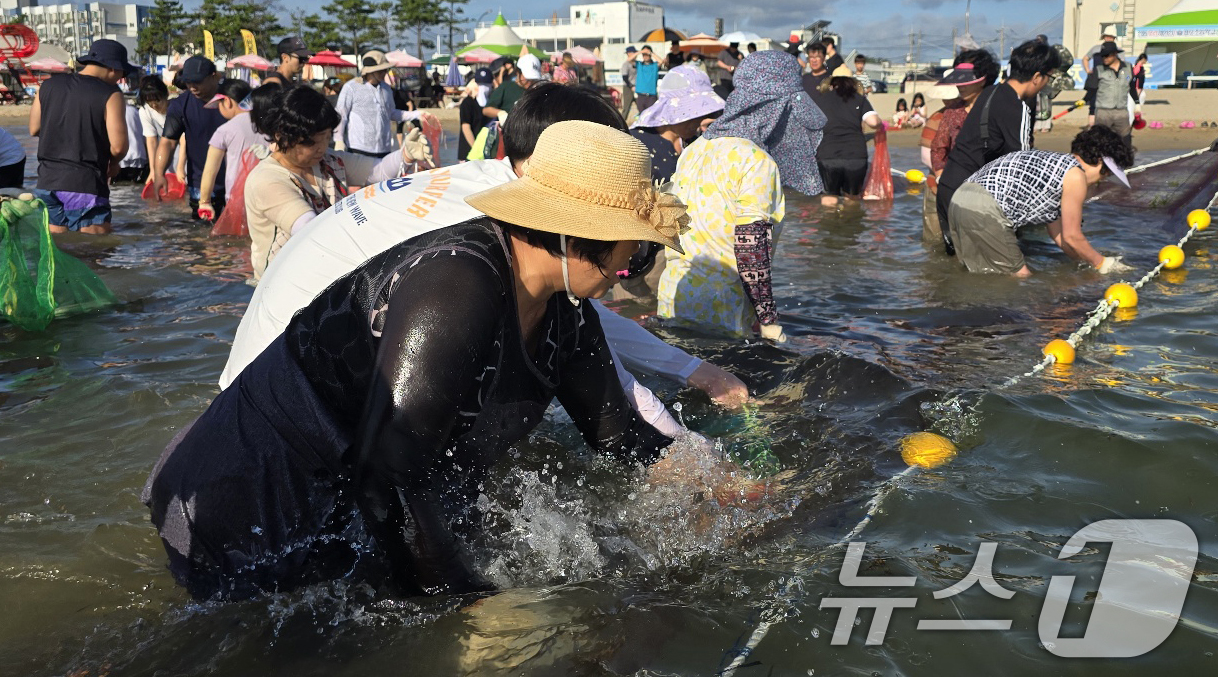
[
  {"x": 297, "y": 114},
  {"x": 1098, "y": 142},
  {"x": 544, "y": 104},
  {"x": 236, "y": 90},
  {"x": 844, "y": 86},
  {"x": 264, "y": 99},
  {"x": 902, "y": 105},
  {"x": 916, "y": 98},
  {"x": 984, "y": 64},
  {"x": 597, "y": 252},
  {"x": 1033, "y": 58},
  {"x": 815, "y": 47},
  {"x": 152, "y": 88}
]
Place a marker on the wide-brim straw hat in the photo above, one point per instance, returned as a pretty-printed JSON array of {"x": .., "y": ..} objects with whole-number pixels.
[
  {"x": 684, "y": 94},
  {"x": 374, "y": 60},
  {"x": 591, "y": 181},
  {"x": 841, "y": 72}
]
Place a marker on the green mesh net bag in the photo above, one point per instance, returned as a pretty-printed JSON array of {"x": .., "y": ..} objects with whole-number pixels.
[{"x": 37, "y": 281}]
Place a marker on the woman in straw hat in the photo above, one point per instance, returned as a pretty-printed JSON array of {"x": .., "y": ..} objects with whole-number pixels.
[
  {"x": 355, "y": 443},
  {"x": 842, "y": 156},
  {"x": 732, "y": 179}
]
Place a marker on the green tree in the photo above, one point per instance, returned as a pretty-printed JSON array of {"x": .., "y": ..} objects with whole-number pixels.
[
  {"x": 453, "y": 18},
  {"x": 317, "y": 32},
  {"x": 226, "y": 18},
  {"x": 165, "y": 30},
  {"x": 357, "y": 22},
  {"x": 417, "y": 16}
]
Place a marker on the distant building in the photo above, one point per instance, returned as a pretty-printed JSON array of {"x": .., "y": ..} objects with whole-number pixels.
[
  {"x": 1085, "y": 20},
  {"x": 74, "y": 26},
  {"x": 589, "y": 26}
]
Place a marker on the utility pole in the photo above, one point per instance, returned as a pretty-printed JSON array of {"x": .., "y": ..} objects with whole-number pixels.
[
  {"x": 1002, "y": 39},
  {"x": 955, "y": 48},
  {"x": 909, "y": 56}
]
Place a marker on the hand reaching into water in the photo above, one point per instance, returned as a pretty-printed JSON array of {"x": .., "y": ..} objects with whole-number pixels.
[
  {"x": 722, "y": 387},
  {"x": 1113, "y": 264},
  {"x": 695, "y": 467}
]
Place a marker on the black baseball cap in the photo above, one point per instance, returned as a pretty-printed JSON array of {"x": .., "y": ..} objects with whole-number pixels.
[
  {"x": 108, "y": 54},
  {"x": 484, "y": 76},
  {"x": 196, "y": 69},
  {"x": 1110, "y": 48},
  {"x": 294, "y": 46}
]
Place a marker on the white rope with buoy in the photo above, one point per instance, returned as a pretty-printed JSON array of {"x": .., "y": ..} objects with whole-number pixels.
[{"x": 926, "y": 450}]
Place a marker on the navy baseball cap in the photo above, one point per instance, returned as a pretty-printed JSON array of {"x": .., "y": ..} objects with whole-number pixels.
[
  {"x": 484, "y": 76},
  {"x": 294, "y": 45},
  {"x": 196, "y": 69},
  {"x": 108, "y": 54},
  {"x": 631, "y": 49}
]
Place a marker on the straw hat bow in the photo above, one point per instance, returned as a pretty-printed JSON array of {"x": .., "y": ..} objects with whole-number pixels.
[{"x": 588, "y": 180}]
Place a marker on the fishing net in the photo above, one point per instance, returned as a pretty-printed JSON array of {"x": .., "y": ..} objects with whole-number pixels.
[
  {"x": 37, "y": 281},
  {"x": 232, "y": 219},
  {"x": 1171, "y": 186},
  {"x": 878, "y": 185}
]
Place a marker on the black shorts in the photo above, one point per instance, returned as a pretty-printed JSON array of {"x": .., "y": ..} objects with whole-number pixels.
[{"x": 843, "y": 177}]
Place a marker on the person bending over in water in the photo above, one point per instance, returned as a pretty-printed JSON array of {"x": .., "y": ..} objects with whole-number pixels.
[
  {"x": 303, "y": 177},
  {"x": 1032, "y": 187},
  {"x": 355, "y": 443},
  {"x": 372, "y": 220}
]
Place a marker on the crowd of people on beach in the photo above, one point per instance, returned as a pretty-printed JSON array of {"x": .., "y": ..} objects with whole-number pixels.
[{"x": 411, "y": 322}]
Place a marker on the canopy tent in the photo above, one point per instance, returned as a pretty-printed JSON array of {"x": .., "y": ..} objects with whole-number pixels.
[
  {"x": 401, "y": 59},
  {"x": 740, "y": 37},
  {"x": 502, "y": 40},
  {"x": 252, "y": 62},
  {"x": 479, "y": 55},
  {"x": 703, "y": 44},
  {"x": 328, "y": 58},
  {"x": 1190, "y": 30},
  {"x": 662, "y": 35},
  {"x": 439, "y": 60},
  {"x": 581, "y": 55}
]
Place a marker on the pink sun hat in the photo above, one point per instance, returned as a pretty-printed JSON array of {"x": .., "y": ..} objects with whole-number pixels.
[{"x": 684, "y": 94}]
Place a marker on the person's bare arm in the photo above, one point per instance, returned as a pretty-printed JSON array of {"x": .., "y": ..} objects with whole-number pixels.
[
  {"x": 1067, "y": 232},
  {"x": 36, "y": 117},
  {"x": 116, "y": 130},
  {"x": 207, "y": 183},
  {"x": 150, "y": 143},
  {"x": 468, "y": 133},
  {"x": 160, "y": 163}
]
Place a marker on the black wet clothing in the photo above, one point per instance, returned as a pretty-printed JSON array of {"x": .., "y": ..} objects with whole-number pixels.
[
  {"x": 74, "y": 145},
  {"x": 380, "y": 408}
]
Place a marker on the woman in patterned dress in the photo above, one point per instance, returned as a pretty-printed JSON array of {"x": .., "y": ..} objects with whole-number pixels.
[{"x": 732, "y": 180}]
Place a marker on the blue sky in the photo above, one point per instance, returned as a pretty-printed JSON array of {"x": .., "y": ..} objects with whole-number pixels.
[{"x": 875, "y": 27}]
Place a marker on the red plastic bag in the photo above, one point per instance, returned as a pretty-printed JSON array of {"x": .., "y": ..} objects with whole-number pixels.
[
  {"x": 232, "y": 219},
  {"x": 175, "y": 191},
  {"x": 434, "y": 132},
  {"x": 878, "y": 185}
]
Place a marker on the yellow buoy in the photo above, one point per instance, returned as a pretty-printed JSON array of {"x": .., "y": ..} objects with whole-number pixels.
[
  {"x": 1171, "y": 256},
  {"x": 1199, "y": 219},
  {"x": 915, "y": 176},
  {"x": 927, "y": 450},
  {"x": 1061, "y": 350},
  {"x": 1123, "y": 295}
]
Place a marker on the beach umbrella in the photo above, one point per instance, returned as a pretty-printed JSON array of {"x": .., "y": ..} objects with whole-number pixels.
[
  {"x": 478, "y": 55},
  {"x": 454, "y": 78},
  {"x": 329, "y": 58},
  {"x": 401, "y": 59},
  {"x": 662, "y": 35},
  {"x": 704, "y": 44},
  {"x": 581, "y": 55},
  {"x": 47, "y": 64},
  {"x": 741, "y": 37},
  {"x": 252, "y": 62}
]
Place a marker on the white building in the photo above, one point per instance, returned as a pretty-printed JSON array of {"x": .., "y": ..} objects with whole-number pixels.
[
  {"x": 589, "y": 26},
  {"x": 75, "y": 26},
  {"x": 1085, "y": 20}
]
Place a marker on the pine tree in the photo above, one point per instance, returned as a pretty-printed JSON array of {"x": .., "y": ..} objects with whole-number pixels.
[
  {"x": 356, "y": 21},
  {"x": 166, "y": 30},
  {"x": 418, "y": 16}
]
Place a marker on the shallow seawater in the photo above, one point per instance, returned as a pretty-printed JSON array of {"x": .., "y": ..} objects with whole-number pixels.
[{"x": 607, "y": 575}]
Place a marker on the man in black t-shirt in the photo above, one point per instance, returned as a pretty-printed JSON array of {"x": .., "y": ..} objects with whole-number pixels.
[
  {"x": 816, "y": 62},
  {"x": 187, "y": 117},
  {"x": 999, "y": 123},
  {"x": 832, "y": 58},
  {"x": 293, "y": 55},
  {"x": 80, "y": 122}
]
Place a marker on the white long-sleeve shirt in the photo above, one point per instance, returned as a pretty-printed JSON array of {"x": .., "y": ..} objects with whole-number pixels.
[{"x": 368, "y": 114}]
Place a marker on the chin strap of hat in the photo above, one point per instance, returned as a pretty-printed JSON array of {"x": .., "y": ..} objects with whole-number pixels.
[{"x": 566, "y": 277}]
